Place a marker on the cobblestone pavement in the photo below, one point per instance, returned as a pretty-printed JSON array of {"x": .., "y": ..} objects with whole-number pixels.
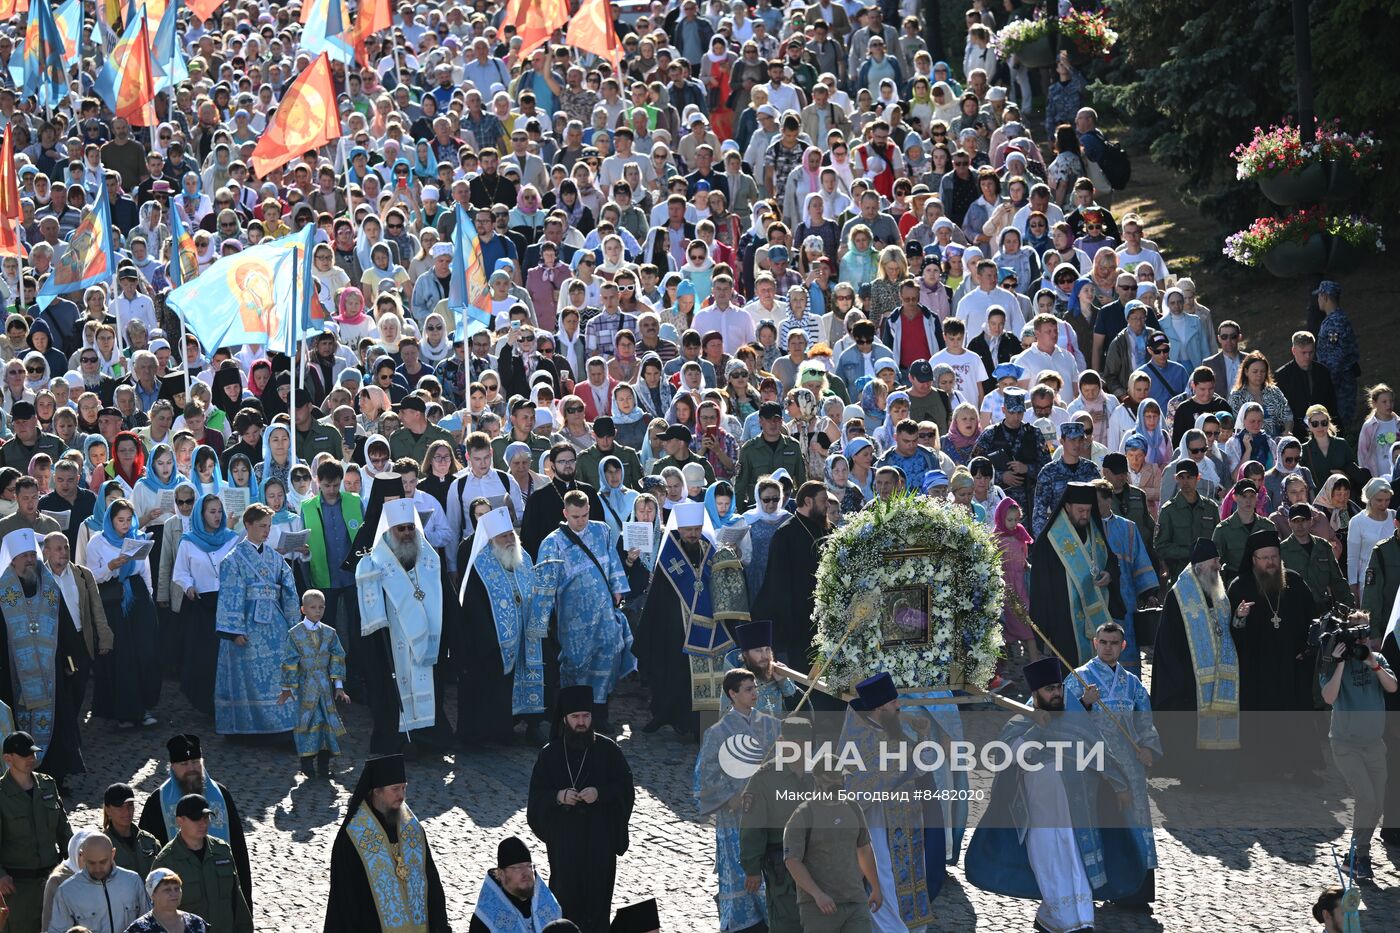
[{"x": 1217, "y": 880}]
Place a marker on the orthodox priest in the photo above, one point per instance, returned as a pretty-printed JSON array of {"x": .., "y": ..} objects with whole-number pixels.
[
  {"x": 1039, "y": 837},
  {"x": 187, "y": 776},
  {"x": 1195, "y": 669},
  {"x": 505, "y": 632},
  {"x": 790, "y": 583},
  {"x": 580, "y": 581},
  {"x": 42, "y": 649},
  {"x": 754, "y": 653},
  {"x": 718, "y": 792},
  {"x": 678, "y": 619},
  {"x": 400, "y": 597},
  {"x": 1272, "y": 612},
  {"x": 906, "y": 825},
  {"x": 382, "y": 871},
  {"x": 1074, "y": 574},
  {"x": 580, "y": 804},
  {"x": 513, "y": 896},
  {"x": 545, "y": 507}
]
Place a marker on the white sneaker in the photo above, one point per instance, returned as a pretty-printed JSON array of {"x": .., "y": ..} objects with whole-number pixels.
[{"x": 149, "y": 720}]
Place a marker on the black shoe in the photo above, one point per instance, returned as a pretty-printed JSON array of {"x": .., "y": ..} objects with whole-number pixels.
[
  {"x": 1391, "y": 837},
  {"x": 308, "y": 766},
  {"x": 323, "y": 764}
]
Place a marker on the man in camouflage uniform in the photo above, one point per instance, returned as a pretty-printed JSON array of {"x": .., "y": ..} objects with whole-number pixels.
[
  {"x": 1072, "y": 467},
  {"x": 1015, "y": 449},
  {"x": 1337, "y": 350}
]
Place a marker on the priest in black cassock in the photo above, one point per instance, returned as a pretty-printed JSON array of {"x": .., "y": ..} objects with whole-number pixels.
[
  {"x": 41, "y": 652},
  {"x": 790, "y": 583},
  {"x": 503, "y": 631},
  {"x": 678, "y": 597},
  {"x": 1195, "y": 670},
  {"x": 544, "y": 510},
  {"x": 641, "y": 917},
  {"x": 1074, "y": 575},
  {"x": 188, "y": 776},
  {"x": 580, "y": 804},
  {"x": 402, "y": 889},
  {"x": 1272, "y": 610}
]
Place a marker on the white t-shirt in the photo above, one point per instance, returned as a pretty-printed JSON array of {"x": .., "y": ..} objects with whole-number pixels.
[
  {"x": 969, "y": 369},
  {"x": 1129, "y": 262},
  {"x": 1033, "y": 361}
]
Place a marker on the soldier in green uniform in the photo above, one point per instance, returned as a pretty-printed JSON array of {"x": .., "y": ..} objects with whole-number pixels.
[
  {"x": 34, "y": 832},
  {"x": 1232, "y": 533},
  {"x": 775, "y": 793},
  {"x": 205, "y": 865},
  {"x": 1313, "y": 559},
  {"x": 1131, "y": 502},
  {"x": 1186, "y": 517},
  {"x": 136, "y": 848}
]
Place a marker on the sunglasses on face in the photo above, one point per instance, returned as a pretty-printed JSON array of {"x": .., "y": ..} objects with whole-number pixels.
[
  {"x": 395, "y": 226},
  {"x": 769, "y": 500},
  {"x": 1290, "y": 460},
  {"x": 1234, "y": 336},
  {"x": 926, "y": 435},
  {"x": 88, "y": 359},
  {"x": 1319, "y": 424},
  {"x": 1093, "y": 226},
  {"x": 1195, "y": 451}
]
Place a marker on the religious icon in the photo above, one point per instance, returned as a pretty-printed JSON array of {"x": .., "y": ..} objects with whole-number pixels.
[{"x": 905, "y": 619}]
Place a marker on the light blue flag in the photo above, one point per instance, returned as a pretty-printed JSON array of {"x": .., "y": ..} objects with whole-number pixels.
[
  {"x": 89, "y": 258},
  {"x": 109, "y": 76},
  {"x": 258, "y": 296},
  {"x": 69, "y": 19},
  {"x": 167, "y": 58},
  {"x": 467, "y": 296},
  {"x": 41, "y": 72},
  {"x": 324, "y": 32}
]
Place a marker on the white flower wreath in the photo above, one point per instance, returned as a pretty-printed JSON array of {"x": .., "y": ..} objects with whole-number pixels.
[{"x": 889, "y": 556}]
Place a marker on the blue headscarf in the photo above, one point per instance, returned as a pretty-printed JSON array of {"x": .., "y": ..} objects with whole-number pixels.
[
  {"x": 618, "y": 498},
  {"x": 90, "y": 442},
  {"x": 208, "y": 541},
  {"x": 426, "y": 169},
  {"x": 150, "y": 480},
  {"x": 284, "y": 515},
  {"x": 267, "y": 463},
  {"x": 99, "y": 509},
  {"x": 889, "y": 403},
  {"x": 218, "y": 480},
  {"x": 254, "y": 488},
  {"x": 131, "y": 567},
  {"x": 1158, "y": 449},
  {"x": 732, "y": 517},
  {"x": 865, "y": 385}
]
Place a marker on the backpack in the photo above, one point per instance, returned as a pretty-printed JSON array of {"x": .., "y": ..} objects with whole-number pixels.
[{"x": 1115, "y": 164}]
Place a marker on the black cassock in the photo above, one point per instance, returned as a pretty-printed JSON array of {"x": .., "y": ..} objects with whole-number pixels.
[
  {"x": 584, "y": 840},
  {"x": 72, "y": 666},
  {"x": 789, "y": 589},
  {"x": 1276, "y": 675},
  {"x": 350, "y": 907},
  {"x": 660, "y": 649},
  {"x": 153, "y": 822},
  {"x": 1174, "y": 691},
  {"x": 485, "y": 709},
  {"x": 544, "y": 510},
  {"x": 1049, "y": 594}
]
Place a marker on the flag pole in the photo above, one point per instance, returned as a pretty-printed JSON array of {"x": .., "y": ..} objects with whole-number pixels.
[{"x": 294, "y": 346}]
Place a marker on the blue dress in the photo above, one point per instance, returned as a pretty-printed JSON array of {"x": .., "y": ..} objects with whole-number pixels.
[{"x": 258, "y": 600}]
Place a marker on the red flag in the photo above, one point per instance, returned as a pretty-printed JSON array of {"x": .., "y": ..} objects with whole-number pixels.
[
  {"x": 10, "y": 216},
  {"x": 591, "y": 30},
  {"x": 306, "y": 119},
  {"x": 136, "y": 90},
  {"x": 374, "y": 16},
  {"x": 204, "y": 8},
  {"x": 535, "y": 21}
]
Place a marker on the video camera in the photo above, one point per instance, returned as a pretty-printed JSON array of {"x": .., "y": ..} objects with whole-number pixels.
[{"x": 1336, "y": 627}]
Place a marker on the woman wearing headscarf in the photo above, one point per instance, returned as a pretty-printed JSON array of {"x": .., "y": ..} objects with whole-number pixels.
[
  {"x": 127, "y": 685},
  {"x": 275, "y": 397},
  {"x": 630, "y": 420},
  {"x": 205, "y": 545},
  {"x": 128, "y": 462},
  {"x": 206, "y": 476},
  {"x": 836, "y": 473},
  {"x": 192, "y": 204},
  {"x": 228, "y": 397},
  {"x": 350, "y": 317},
  {"x": 277, "y": 456},
  {"x": 1148, "y": 429},
  {"x": 154, "y": 496},
  {"x": 1334, "y": 499},
  {"x": 520, "y": 464},
  {"x": 617, "y": 499},
  {"x": 434, "y": 352},
  {"x": 216, "y": 174},
  {"x": 1249, "y": 442}
]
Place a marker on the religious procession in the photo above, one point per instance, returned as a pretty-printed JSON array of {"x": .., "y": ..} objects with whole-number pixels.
[{"x": 613, "y": 430}]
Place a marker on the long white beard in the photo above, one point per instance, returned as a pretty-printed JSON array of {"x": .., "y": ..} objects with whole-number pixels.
[
  {"x": 1213, "y": 586},
  {"x": 510, "y": 558}
]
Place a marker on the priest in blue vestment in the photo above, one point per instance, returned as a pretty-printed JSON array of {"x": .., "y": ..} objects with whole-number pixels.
[
  {"x": 1040, "y": 837},
  {"x": 1137, "y": 578},
  {"x": 579, "y": 578}
]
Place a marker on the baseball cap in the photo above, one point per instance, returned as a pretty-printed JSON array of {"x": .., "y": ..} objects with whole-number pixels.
[
  {"x": 413, "y": 403},
  {"x": 770, "y": 410},
  {"x": 603, "y": 426},
  {"x": 193, "y": 807},
  {"x": 1188, "y": 467},
  {"x": 22, "y": 411},
  {"x": 1115, "y": 463},
  {"x": 1300, "y": 510},
  {"x": 1158, "y": 341},
  {"x": 677, "y": 432},
  {"x": 1328, "y": 287},
  {"x": 20, "y": 743},
  {"x": 922, "y": 371}
]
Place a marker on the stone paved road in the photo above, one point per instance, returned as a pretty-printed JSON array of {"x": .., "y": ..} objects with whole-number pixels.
[{"x": 1217, "y": 880}]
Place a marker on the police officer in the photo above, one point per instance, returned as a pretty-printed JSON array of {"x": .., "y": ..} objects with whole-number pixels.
[
  {"x": 136, "y": 848},
  {"x": 34, "y": 831},
  {"x": 205, "y": 864},
  {"x": 1338, "y": 350}
]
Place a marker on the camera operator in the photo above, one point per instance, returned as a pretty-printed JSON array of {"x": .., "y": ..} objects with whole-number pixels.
[
  {"x": 1355, "y": 688},
  {"x": 1330, "y": 909}
]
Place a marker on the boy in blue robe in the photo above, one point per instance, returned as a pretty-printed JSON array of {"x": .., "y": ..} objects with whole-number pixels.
[{"x": 314, "y": 673}]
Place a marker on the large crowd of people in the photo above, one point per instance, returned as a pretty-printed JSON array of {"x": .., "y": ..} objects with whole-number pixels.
[{"x": 771, "y": 265}]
